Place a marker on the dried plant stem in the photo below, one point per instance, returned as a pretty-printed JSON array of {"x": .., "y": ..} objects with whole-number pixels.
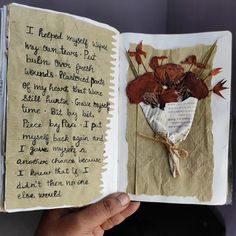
[
  {"x": 207, "y": 57},
  {"x": 190, "y": 67},
  {"x": 206, "y": 77},
  {"x": 131, "y": 65},
  {"x": 144, "y": 67}
]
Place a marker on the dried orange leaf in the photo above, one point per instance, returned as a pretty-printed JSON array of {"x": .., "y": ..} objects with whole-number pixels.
[{"x": 219, "y": 87}]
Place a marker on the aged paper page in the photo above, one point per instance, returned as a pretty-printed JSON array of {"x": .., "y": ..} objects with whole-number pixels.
[
  {"x": 148, "y": 163},
  {"x": 60, "y": 79}
]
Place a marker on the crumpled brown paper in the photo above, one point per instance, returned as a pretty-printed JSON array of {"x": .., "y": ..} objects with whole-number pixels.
[{"x": 148, "y": 169}]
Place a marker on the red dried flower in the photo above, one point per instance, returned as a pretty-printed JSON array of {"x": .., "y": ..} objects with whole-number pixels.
[
  {"x": 173, "y": 71},
  {"x": 197, "y": 87},
  {"x": 154, "y": 63},
  {"x": 200, "y": 65},
  {"x": 219, "y": 87},
  {"x": 137, "y": 54},
  {"x": 168, "y": 95},
  {"x": 138, "y": 87},
  {"x": 191, "y": 60}
]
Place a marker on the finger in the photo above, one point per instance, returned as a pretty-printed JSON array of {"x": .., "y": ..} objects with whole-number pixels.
[
  {"x": 120, "y": 217},
  {"x": 98, "y": 231},
  {"x": 96, "y": 214},
  {"x": 133, "y": 207}
]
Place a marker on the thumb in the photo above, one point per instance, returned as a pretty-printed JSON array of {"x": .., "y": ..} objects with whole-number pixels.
[{"x": 96, "y": 214}]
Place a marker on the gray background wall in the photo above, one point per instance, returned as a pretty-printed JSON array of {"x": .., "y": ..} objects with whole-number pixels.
[{"x": 146, "y": 16}]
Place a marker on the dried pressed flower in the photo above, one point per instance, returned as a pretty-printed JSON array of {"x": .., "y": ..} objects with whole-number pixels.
[
  {"x": 170, "y": 71},
  {"x": 200, "y": 65},
  {"x": 137, "y": 53},
  {"x": 196, "y": 86},
  {"x": 154, "y": 63},
  {"x": 168, "y": 95},
  {"x": 219, "y": 87},
  {"x": 138, "y": 87},
  {"x": 190, "y": 60}
]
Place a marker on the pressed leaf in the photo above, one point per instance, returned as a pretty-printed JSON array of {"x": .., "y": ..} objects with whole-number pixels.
[
  {"x": 215, "y": 71},
  {"x": 219, "y": 87},
  {"x": 138, "y": 87}
]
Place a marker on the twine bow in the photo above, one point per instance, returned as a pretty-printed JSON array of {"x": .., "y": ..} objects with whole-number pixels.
[{"x": 175, "y": 153}]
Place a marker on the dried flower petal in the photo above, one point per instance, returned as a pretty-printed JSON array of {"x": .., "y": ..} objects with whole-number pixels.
[
  {"x": 219, "y": 87},
  {"x": 138, "y": 52},
  {"x": 173, "y": 71},
  {"x": 162, "y": 57},
  {"x": 200, "y": 66},
  {"x": 154, "y": 63},
  {"x": 132, "y": 54},
  {"x": 197, "y": 87},
  {"x": 191, "y": 60},
  {"x": 138, "y": 87},
  {"x": 139, "y": 49},
  {"x": 168, "y": 95},
  {"x": 160, "y": 73},
  {"x": 138, "y": 59},
  {"x": 215, "y": 71}
]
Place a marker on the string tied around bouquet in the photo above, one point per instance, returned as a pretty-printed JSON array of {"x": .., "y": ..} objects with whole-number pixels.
[
  {"x": 160, "y": 138},
  {"x": 171, "y": 148}
]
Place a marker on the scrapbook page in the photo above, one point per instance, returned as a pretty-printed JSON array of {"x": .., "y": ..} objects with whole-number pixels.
[{"x": 175, "y": 93}]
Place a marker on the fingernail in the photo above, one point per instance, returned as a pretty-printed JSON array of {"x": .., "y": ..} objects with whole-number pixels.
[{"x": 123, "y": 198}]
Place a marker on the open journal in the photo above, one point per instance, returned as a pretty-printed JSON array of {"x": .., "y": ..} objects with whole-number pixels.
[{"x": 87, "y": 111}]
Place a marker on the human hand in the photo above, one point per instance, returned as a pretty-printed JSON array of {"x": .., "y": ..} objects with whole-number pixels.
[{"x": 91, "y": 220}]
